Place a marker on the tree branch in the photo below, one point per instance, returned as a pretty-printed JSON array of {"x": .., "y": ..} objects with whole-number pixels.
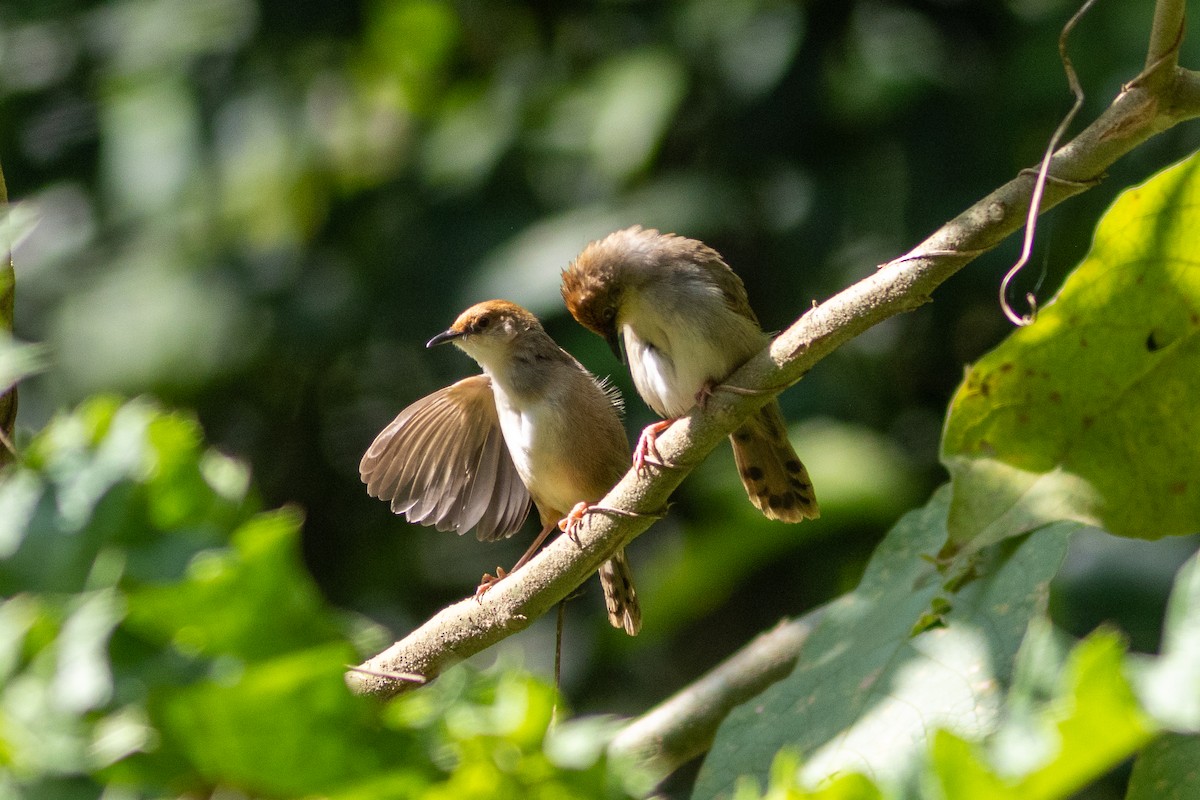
[
  {"x": 1142, "y": 110},
  {"x": 1166, "y": 35},
  {"x": 682, "y": 727}
]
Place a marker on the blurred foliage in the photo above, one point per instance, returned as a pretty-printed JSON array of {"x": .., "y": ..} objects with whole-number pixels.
[
  {"x": 866, "y": 692},
  {"x": 1067, "y": 718},
  {"x": 160, "y": 637},
  {"x": 260, "y": 210}
]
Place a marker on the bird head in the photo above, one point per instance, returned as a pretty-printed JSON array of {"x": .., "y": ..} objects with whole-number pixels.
[
  {"x": 487, "y": 329},
  {"x": 594, "y": 283}
]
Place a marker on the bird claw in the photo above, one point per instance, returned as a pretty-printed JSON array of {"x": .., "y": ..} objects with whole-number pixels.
[
  {"x": 570, "y": 523},
  {"x": 488, "y": 581},
  {"x": 646, "y": 451}
]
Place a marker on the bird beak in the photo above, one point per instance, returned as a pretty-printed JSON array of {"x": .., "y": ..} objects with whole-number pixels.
[
  {"x": 443, "y": 337},
  {"x": 614, "y": 343}
]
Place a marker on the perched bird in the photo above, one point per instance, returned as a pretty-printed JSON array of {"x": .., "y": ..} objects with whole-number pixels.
[
  {"x": 535, "y": 424},
  {"x": 686, "y": 324}
]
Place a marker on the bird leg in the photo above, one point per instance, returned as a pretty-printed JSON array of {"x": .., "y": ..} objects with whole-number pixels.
[
  {"x": 487, "y": 581},
  {"x": 646, "y": 451},
  {"x": 570, "y": 523}
]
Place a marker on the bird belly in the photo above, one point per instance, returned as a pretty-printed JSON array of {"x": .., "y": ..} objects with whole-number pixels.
[
  {"x": 668, "y": 378},
  {"x": 540, "y": 446}
]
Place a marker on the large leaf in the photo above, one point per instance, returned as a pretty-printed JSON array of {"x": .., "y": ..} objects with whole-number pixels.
[
  {"x": 1089, "y": 414},
  {"x": 1168, "y": 769},
  {"x": 866, "y": 694}
]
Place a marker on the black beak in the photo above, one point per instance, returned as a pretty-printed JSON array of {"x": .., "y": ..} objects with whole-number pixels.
[
  {"x": 443, "y": 337},
  {"x": 614, "y": 343}
]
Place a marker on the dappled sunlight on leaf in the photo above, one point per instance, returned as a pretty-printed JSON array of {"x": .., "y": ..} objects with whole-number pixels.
[
  {"x": 1087, "y": 413},
  {"x": 865, "y": 695}
]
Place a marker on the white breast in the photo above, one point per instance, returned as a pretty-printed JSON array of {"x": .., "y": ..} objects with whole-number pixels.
[
  {"x": 667, "y": 373},
  {"x": 539, "y": 440},
  {"x": 520, "y": 425},
  {"x": 673, "y": 354}
]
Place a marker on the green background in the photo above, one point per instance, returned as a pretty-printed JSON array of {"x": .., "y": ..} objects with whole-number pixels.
[{"x": 261, "y": 211}]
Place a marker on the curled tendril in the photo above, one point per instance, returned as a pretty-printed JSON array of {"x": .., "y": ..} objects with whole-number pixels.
[{"x": 1039, "y": 187}]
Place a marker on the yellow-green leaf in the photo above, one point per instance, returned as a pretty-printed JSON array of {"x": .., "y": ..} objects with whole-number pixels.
[{"x": 1089, "y": 414}]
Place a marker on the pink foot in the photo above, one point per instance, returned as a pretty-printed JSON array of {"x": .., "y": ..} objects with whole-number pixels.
[
  {"x": 646, "y": 451},
  {"x": 570, "y": 523},
  {"x": 488, "y": 581}
]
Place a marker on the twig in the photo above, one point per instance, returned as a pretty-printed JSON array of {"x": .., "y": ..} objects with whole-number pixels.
[
  {"x": 1166, "y": 35},
  {"x": 559, "y": 624}
]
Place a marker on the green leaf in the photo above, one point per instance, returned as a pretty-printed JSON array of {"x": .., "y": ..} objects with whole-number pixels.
[
  {"x": 783, "y": 785},
  {"x": 221, "y": 605},
  {"x": 1089, "y": 413},
  {"x": 963, "y": 772},
  {"x": 1168, "y": 769},
  {"x": 1090, "y": 725},
  {"x": 17, "y": 220},
  {"x": 1170, "y": 686},
  {"x": 19, "y": 360},
  {"x": 285, "y": 727},
  {"x": 1099, "y": 721},
  {"x": 113, "y": 478},
  {"x": 865, "y": 696}
]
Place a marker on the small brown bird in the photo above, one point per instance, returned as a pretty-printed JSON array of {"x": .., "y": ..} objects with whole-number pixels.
[
  {"x": 535, "y": 424},
  {"x": 686, "y": 323}
]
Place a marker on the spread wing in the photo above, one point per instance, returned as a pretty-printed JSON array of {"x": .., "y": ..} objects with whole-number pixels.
[{"x": 443, "y": 462}]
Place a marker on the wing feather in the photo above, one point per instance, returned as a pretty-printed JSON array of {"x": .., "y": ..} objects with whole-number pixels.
[{"x": 443, "y": 462}]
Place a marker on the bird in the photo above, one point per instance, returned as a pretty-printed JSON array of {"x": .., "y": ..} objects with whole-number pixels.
[
  {"x": 535, "y": 426},
  {"x": 686, "y": 324}
]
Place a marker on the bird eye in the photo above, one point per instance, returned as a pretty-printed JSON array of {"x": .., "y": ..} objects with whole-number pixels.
[
  {"x": 609, "y": 314},
  {"x": 482, "y": 322}
]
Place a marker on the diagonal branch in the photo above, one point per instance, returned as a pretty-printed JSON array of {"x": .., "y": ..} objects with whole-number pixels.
[{"x": 1142, "y": 110}]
